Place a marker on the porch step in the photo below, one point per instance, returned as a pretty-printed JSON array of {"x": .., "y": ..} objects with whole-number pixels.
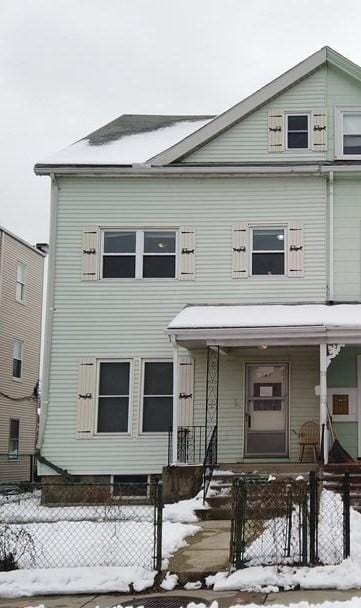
[
  {"x": 214, "y": 513},
  {"x": 218, "y": 501}
]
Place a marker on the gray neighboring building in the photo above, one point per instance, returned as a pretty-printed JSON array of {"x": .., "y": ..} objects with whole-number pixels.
[{"x": 21, "y": 291}]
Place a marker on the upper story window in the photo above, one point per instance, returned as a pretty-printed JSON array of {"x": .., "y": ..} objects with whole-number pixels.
[
  {"x": 297, "y": 131},
  {"x": 113, "y": 397},
  {"x": 139, "y": 254},
  {"x": 157, "y": 396},
  {"x": 351, "y": 133},
  {"x": 20, "y": 282},
  {"x": 268, "y": 251},
  {"x": 18, "y": 349},
  {"x": 14, "y": 432}
]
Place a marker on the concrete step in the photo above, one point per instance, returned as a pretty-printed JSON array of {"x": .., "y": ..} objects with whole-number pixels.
[
  {"x": 215, "y": 513},
  {"x": 219, "y": 501}
]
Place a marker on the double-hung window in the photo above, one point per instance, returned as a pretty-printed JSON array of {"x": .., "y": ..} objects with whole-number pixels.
[
  {"x": 14, "y": 431},
  {"x": 297, "y": 131},
  {"x": 139, "y": 254},
  {"x": 18, "y": 351},
  {"x": 157, "y": 396},
  {"x": 351, "y": 133},
  {"x": 268, "y": 251},
  {"x": 113, "y": 397},
  {"x": 20, "y": 282}
]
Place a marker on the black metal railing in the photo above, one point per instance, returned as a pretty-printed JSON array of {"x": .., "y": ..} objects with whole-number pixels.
[
  {"x": 210, "y": 461},
  {"x": 288, "y": 521},
  {"x": 190, "y": 445}
]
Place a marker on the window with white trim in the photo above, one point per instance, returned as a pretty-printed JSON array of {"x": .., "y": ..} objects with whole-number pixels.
[
  {"x": 18, "y": 351},
  {"x": 20, "y": 282},
  {"x": 157, "y": 396},
  {"x": 14, "y": 431},
  {"x": 139, "y": 254},
  {"x": 351, "y": 133},
  {"x": 113, "y": 397},
  {"x": 268, "y": 251},
  {"x": 297, "y": 131}
]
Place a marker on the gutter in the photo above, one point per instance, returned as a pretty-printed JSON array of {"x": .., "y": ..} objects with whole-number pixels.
[{"x": 49, "y": 311}]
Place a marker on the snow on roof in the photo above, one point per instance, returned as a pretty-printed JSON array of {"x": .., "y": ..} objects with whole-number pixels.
[
  {"x": 272, "y": 315},
  {"x": 128, "y": 140}
]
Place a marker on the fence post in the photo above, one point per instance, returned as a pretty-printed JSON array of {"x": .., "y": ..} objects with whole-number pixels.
[
  {"x": 346, "y": 515},
  {"x": 239, "y": 509},
  {"x": 313, "y": 517},
  {"x": 158, "y": 523},
  {"x": 304, "y": 530}
]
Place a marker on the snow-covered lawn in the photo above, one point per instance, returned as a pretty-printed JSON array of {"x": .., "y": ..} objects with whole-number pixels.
[
  {"x": 94, "y": 549},
  {"x": 355, "y": 602}
]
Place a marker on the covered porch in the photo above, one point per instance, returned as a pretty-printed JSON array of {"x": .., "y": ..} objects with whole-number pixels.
[{"x": 260, "y": 374}]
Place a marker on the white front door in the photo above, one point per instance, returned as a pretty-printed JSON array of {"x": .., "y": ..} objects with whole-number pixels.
[{"x": 266, "y": 410}]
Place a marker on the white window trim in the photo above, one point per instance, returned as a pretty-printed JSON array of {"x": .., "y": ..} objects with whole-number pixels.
[
  {"x": 339, "y": 112},
  {"x": 139, "y": 253},
  {"x": 142, "y": 378},
  {"x": 126, "y": 433},
  {"x": 9, "y": 439},
  {"x": 253, "y": 227},
  {"x": 15, "y": 378},
  {"x": 23, "y": 300},
  {"x": 298, "y": 113}
]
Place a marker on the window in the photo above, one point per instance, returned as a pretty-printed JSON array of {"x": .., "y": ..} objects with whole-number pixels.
[
  {"x": 351, "y": 144},
  {"x": 268, "y": 251},
  {"x": 14, "y": 439},
  {"x": 297, "y": 131},
  {"x": 157, "y": 396},
  {"x": 17, "y": 358},
  {"x": 113, "y": 397},
  {"x": 130, "y": 486},
  {"x": 20, "y": 282},
  {"x": 139, "y": 254}
]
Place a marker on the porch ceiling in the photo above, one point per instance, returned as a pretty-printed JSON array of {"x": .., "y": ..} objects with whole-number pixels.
[{"x": 244, "y": 325}]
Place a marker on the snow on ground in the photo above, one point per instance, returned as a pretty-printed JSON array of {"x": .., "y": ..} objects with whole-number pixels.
[
  {"x": 346, "y": 575},
  {"x": 183, "y": 511},
  {"x": 355, "y": 602},
  {"x": 61, "y": 581}
]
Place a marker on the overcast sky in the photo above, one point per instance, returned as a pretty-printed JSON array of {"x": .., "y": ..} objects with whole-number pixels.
[{"x": 69, "y": 66}]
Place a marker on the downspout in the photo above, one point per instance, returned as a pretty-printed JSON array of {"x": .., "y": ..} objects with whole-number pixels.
[
  {"x": 331, "y": 290},
  {"x": 49, "y": 310},
  {"x": 323, "y": 403},
  {"x": 175, "y": 403}
]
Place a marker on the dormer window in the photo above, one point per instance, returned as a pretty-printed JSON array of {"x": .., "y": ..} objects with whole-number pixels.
[{"x": 297, "y": 131}]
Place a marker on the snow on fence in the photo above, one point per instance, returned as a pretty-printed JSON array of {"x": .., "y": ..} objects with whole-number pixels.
[
  {"x": 75, "y": 524},
  {"x": 290, "y": 522}
]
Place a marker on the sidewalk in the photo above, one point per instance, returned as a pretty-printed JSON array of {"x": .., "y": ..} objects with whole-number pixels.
[{"x": 224, "y": 599}]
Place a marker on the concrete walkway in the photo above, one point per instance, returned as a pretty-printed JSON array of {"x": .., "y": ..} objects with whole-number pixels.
[
  {"x": 206, "y": 553},
  {"x": 225, "y": 600}
]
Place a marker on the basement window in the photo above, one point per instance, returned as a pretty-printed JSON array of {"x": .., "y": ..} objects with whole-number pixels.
[{"x": 129, "y": 486}]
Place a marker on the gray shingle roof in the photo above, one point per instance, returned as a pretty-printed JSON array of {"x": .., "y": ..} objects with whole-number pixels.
[{"x": 130, "y": 124}]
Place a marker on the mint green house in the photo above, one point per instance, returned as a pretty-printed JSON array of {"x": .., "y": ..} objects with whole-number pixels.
[{"x": 204, "y": 291}]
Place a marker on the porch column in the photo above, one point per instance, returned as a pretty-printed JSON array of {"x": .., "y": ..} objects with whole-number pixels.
[
  {"x": 175, "y": 405},
  {"x": 323, "y": 403}
]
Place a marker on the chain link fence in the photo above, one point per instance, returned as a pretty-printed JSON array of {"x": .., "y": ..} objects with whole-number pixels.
[
  {"x": 289, "y": 522},
  {"x": 45, "y": 525}
]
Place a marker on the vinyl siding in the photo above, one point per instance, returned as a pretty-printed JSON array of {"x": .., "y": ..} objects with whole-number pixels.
[
  {"x": 247, "y": 141},
  {"x": 127, "y": 318},
  {"x": 347, "y": 247},
  {"x": 22, "y": 322}
]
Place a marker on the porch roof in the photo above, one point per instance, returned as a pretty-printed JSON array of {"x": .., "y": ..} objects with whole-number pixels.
[{"x": 271, "y": 324}]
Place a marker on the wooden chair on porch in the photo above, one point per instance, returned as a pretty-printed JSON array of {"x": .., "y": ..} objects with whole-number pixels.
[{"x": 309, "y": 436}]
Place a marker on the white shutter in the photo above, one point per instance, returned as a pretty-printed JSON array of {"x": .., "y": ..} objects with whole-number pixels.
[
  {"x": 240, "y": 250},
  {"x": 89, "y": 254},
  {"x": 275, "y": 131},
  {"x": 185, "y": 386},
  {"x": 319, "y": 130},
  {"x": 86, "y": 398},
  {"x": 187, "y": 253},
  {"x": 295, "y": 250}
]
